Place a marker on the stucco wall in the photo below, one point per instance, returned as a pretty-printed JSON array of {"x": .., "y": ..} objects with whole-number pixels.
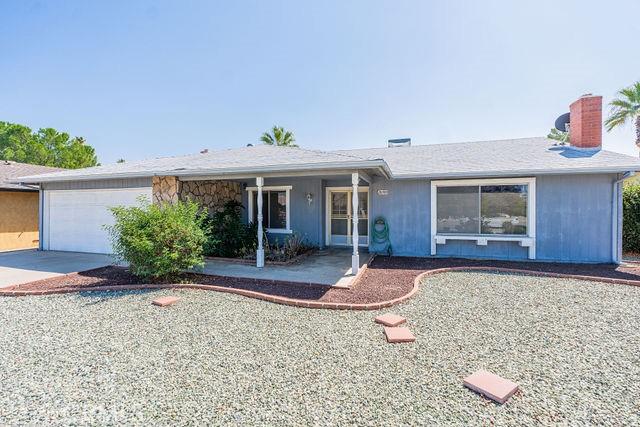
[
  {"x": 18, "y": 220},
  {"x": 573, "y": 220}
]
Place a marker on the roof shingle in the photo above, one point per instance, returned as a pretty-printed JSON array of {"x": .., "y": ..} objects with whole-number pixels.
[
  {"x": 10, "y": 170},
  {"x": 504, "y": 157},
  {"x": 516, "y": 157}
]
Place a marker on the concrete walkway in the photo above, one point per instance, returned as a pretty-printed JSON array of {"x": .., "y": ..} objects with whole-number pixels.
[
  {"x": 328, "y": 267},
  {"x": 25, "y": 266}
]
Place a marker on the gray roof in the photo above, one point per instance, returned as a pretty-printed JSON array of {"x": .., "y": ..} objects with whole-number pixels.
[
  {"x": 253, "y": 159},
  {"x": 10, "y": 170},
  {"x": 514, "y": 157}
]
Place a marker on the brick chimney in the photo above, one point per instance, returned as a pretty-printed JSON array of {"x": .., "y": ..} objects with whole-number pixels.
[{"x": 586, "y": 122}]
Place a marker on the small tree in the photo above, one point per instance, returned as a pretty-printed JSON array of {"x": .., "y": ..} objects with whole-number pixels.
[
  {"x": 159, "y": 241},
  {"x": 558, "y": 135},
  {"x": 46, "y": 147}
]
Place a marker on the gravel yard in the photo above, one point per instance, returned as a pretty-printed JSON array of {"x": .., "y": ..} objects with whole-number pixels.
[{"x": 112, "y": 358}]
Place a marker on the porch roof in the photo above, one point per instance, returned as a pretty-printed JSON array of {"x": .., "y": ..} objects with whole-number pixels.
[{"x": 231, "y": 163}]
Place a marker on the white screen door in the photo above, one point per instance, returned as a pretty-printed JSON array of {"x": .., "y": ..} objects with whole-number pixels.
[{"x": 340, "y": 214}]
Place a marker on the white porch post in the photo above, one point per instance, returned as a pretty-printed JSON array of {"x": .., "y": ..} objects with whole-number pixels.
[
  {"x": 355, "y": 258},
  {"x": 260, "y": 251}
]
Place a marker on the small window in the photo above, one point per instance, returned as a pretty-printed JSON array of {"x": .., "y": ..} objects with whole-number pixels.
[{"x": 275, "y": 206}]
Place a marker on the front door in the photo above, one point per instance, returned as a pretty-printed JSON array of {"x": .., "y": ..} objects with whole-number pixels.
[{"x": 340, "y": 214}]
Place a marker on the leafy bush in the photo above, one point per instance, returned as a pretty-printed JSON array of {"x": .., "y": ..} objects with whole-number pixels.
[
  {"x": 631, "y": 218},
  {"x": 228, "y": 235},
  {"x": 159, "y": 241}
]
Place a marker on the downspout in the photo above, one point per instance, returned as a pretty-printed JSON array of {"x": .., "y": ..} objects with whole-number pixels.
[
  {"x": 40, "y": 217},
  {"x": 615, "y": 220}
]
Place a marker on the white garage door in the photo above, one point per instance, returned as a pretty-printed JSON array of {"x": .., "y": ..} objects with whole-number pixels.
[{"x": 75, "y": 219}]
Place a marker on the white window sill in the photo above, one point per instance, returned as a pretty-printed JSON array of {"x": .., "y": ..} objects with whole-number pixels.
[
  {"x": 279, "y": 231},
  {"x": 481, "y": 240}
]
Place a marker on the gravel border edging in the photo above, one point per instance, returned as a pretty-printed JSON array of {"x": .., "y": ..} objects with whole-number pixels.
[{"x": 317, "y": 304}]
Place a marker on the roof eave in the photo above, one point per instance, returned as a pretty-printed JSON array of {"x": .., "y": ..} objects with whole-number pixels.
[
  {"x": 319, "y": 167},
  {"x": 523, "y": 172}
]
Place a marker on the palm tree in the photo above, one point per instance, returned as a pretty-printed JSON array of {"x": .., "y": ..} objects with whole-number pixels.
[
  {"x": 279, "y": 137},
  {"x": 625, "y": 108}
]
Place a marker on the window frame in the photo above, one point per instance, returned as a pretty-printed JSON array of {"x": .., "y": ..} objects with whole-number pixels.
[
  {"x": 266, "y": 189},
  {"x": 525, "y": 240}
]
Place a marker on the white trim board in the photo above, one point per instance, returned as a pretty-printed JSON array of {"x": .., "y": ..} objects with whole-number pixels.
[{"x": 528, "y": 241}]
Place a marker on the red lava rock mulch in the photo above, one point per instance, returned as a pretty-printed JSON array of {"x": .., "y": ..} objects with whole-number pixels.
[{"x": 387, "y": 280}]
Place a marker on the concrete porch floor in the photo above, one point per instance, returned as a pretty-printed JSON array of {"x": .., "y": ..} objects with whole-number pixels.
[{"x": 330, "y": 267}]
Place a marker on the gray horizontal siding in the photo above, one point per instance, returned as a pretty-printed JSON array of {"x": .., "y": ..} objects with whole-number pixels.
[
  {"x": 574, "y": 218},
  {"x": 573, "y": 221},
  {"x": 99, "y": 184},
  {"x": 306, "y": 219},
  {"x": 406, "y": 208},
  {"x": 493, "y": 250}
]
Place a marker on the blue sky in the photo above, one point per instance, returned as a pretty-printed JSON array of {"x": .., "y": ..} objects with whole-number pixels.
[{"x": 145, "y": 79}]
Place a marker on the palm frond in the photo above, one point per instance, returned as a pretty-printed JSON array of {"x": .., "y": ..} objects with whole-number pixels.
[
  {"x": 267, "y": 139},
  {"x": 615, "y": 120},
  {"x": 624, "y": 108},
  {"x": 621, "y": 104}
]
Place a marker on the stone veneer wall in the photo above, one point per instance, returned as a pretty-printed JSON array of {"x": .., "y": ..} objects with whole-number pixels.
[
  {"x": 165, "y": 189},
  {"x": 211, "y": 194}
]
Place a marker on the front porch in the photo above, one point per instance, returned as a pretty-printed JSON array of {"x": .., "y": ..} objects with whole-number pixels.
[
  {"x": 329, "y": 210},
  {"x": 330, "y": 267}
]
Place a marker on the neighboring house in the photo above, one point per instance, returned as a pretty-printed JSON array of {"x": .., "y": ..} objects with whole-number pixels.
[
  {"x": 19, "y": 206},
  {"x": 521, "y": 199}
]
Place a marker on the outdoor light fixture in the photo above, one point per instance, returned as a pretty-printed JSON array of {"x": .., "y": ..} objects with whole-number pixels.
[{"x": 309, "y": 198}]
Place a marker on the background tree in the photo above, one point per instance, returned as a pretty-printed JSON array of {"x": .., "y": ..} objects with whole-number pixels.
[
  {"x": 46, "y": 147},
  {"x": 625, "y": 108},
  {"x": 120, "y": 160},
  {"x": 558, "y": 135},
  {"x": 279, "y": 136}
]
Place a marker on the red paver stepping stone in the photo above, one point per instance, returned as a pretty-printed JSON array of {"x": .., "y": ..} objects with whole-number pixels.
[
  {"x": 396, "y": 335},
  {"x": 165, "y": 301},
  {"x": 491, "y": 385},
  {"x": 390, "y": 319}
]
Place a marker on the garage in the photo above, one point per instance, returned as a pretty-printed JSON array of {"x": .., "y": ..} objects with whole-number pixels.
[{"x": 74, "y": 220}]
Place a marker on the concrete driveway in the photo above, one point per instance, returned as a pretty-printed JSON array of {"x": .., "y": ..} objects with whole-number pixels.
[{"x": 18, "y": 267}]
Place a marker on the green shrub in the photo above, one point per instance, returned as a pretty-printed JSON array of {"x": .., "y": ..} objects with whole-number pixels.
[
  {"x": 291, "y": 247},
  {"x": 228, "y": 235},
  {"x": 158, "y": 241},
  {"x": 631, "y": 218}
]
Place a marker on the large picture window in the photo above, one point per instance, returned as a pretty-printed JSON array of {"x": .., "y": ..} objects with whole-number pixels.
[
  {"x": 499, "y": 209},
  {"x": 275, "y": 208}
]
